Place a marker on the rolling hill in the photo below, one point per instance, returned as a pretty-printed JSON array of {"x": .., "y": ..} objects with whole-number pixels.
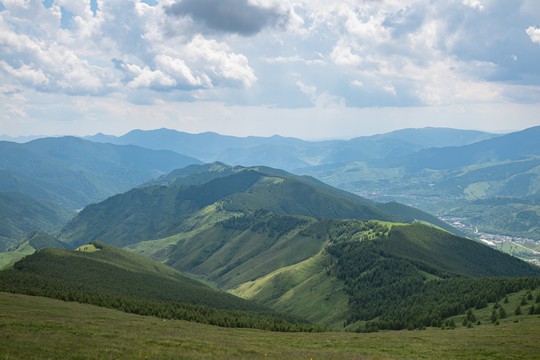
[
  {"x": 467, "y": 183},
  {"x": 103, "y": 275},
  {"x": 293, "y": 244},
  {"x": 34, "y": 241},
  {"x": 159, "y": 211},
  {"x": 518, "y": 145},
  {"x": 372, "y": 275}
]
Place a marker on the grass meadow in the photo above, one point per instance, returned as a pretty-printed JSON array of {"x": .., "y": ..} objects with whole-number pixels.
[{"x": 42, "y": 328}]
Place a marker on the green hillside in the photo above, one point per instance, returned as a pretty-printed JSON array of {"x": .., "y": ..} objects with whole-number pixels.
[
  {"x": 451, "y": 253},
  {"x": 155, "y": 212},
  {"x": 514, "y": 146},
  {"x": 495, "y": 197},
  {"x": 103, "y": 275},
  {"x": 511, "y": 216},
  {"x": 305, "y": 289},
  {"x": 377, "y": 275},
  {"x": 244, "y": 248},
  {"x": 21, "y": 214}
]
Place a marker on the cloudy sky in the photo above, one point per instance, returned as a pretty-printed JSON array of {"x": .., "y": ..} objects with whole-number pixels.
[{"x": 312, "y": 69}]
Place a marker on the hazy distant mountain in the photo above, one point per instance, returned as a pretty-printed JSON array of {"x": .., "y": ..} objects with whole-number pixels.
[
  {"x": 19, "y": 139},
  {"x": 75, "y": 172},
  {"x": 291, "y": 153},
  {"x": 514, "y": 146}
]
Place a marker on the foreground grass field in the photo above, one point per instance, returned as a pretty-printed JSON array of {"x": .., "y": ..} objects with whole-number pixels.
[{"x": 41, "y": 328}]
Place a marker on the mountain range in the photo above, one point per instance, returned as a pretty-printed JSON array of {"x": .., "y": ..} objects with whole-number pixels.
[
  {"x": 75, "y": 172},
  {"x": 301, "y": 249},
  {"x": 291, "y": 153},
  {"x": 267, "y": 235}
]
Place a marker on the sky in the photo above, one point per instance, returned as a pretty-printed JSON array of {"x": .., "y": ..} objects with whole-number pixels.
[{"x": 312, "y": 69}]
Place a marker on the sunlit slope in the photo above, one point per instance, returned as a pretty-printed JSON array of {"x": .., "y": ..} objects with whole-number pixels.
[
  {"x": 244, "y": 248},
  {"x": 387, "y": 276},
  {"x": 306, "y": 289}
]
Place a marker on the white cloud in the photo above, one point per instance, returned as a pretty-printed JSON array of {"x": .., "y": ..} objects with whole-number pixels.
[
  {"x": 178, "y": 69},
  {"x": 534, "y": 34},
  {"x": 27, "y": 74},
  {"x": 77, "y": 60},
  {"x": 76, "y": 7},
  {"x": 219, "y": 62},
  {"x": 284, "y": 59},
  {"x": 342, "y": 55},
  {"x": 475, "y": 4},
  {"x": 146, "y": 78},
  {"x": 367, "y": 53},
  {"x": 320, "y": 100}
]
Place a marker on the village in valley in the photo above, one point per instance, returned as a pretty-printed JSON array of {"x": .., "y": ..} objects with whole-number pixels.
[{"x": 524, "y": 248}]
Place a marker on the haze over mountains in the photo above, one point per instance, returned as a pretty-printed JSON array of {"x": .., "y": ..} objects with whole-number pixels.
[
  {"x": 75, "y": 172},
  {"x": 291, "y": 153},
  {"x": 435, "y": 169}
]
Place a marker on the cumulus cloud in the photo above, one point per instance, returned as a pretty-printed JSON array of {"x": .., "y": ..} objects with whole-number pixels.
[
  {"x": 367, "y": 53},
  {"x": 534, "y": 34},
  {"x": 233, "y": 16},
  {"x": 36, "y": 50},
  {"x": 342, "y": 55}
]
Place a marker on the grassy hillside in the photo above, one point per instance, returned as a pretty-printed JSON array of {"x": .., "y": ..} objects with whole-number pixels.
[
  {"x": 107, "y": 276},
  {"x": 452, "y": 253},
  {"x": 156, "y": 212},
  {"x": 244, "y": 248},
  {"x": 495, "y": 197},
  {"x": 37, "y": 328},
  {"x": 377, "y": 275},
  {"x": 305, "y": 289},
  {"x": 21, "y": 214}
]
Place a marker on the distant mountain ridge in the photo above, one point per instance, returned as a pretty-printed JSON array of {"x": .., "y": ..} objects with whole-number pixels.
[
  {"x": 291, "y": 153},
  {"x": 75, "y": 172},
  {"x": 519, "y": 145}
]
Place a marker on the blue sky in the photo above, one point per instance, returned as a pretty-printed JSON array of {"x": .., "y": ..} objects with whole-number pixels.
[{"x": 310, "y": 69}]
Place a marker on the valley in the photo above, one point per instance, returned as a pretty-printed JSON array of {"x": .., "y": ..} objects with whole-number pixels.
[
  {"x": 258, "y": 247},
  {"x": 269, "y": 179}
]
